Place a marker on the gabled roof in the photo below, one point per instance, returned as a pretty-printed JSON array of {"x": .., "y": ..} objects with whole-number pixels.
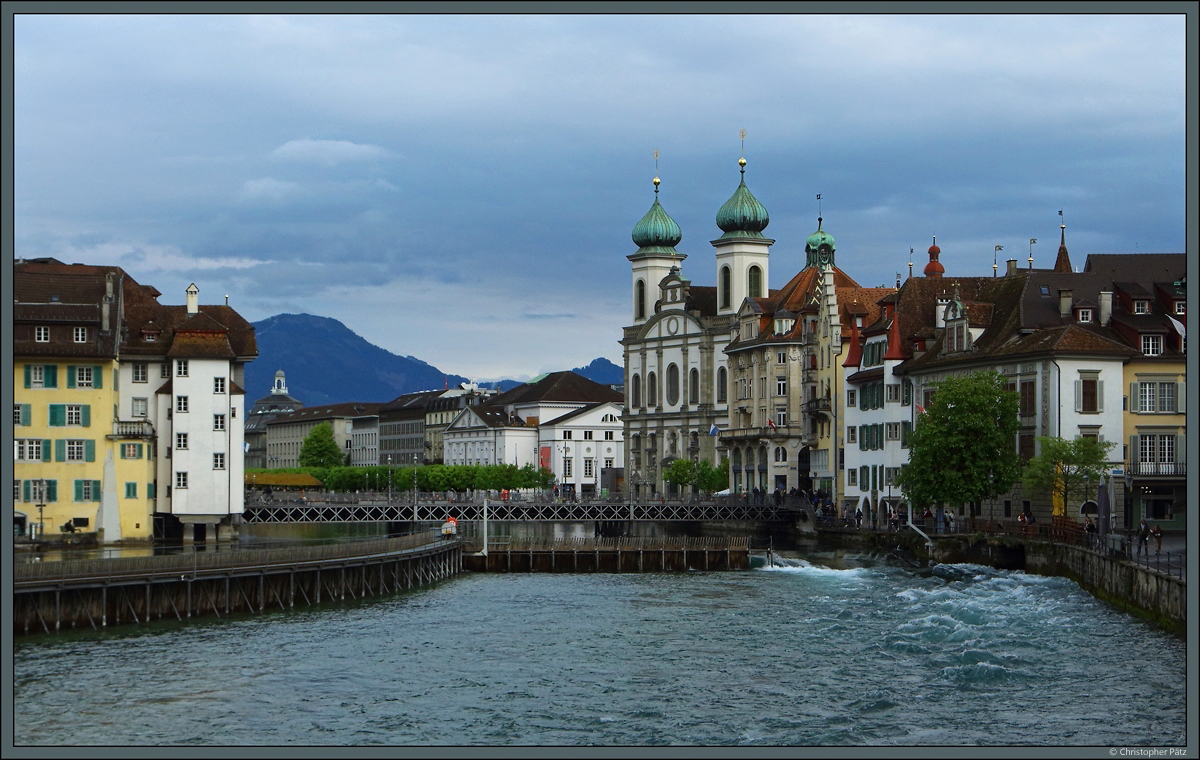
[
  {"x": 557, "y": 386},
  {"x": 580, "y": 411},
  {"x": 329, "y": 412},
  {"x": 1137, "y": 267}
]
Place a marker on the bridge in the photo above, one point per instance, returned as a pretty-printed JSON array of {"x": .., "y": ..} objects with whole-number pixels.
[{"x": 378, "y": 508}]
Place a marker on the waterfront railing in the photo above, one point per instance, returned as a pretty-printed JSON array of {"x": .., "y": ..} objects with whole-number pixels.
[{"x": 209, "y": 561}]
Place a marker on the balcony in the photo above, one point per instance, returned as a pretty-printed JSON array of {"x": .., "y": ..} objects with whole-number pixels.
[
  {"x": 134, "y": 429},
  {"x": 817, "y": 405},
  {"x": 1156, "y": 469}
]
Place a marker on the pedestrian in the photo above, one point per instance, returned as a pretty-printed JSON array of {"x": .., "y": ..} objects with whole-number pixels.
[
  {"x": 1143, "y": 535},
  {"x": 1157, "y": 533},
  {"x": 1089, "y": 529},
  {"x": 858, "y": 517},
  {"x": 949, "y": 521}
]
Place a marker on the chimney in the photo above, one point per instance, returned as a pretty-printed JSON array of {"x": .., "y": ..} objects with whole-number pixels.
[
  {"x": 1064, "y": 303},
  {"x": 1105, "y": 306},
  {"x": 105, "y": 307},
  {"x": 939, "y": 316},
  {"x": 193, "y": 296},
  {"x": 1012, "y": 268}
]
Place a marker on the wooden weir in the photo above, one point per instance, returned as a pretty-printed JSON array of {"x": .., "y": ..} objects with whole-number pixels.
[
  {"x": 48, "y": 596},
  {"x": 610, "y": 555}
]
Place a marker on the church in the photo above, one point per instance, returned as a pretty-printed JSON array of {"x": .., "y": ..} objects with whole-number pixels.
[{"x": 720, "y": 373}]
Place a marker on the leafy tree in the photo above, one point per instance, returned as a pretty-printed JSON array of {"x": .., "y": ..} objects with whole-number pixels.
[
  {"x": 710, "y": 478},
  {"x": 961, "y": 448},
  {"x": 1064, "y": 467},
  {"x": 681, "y": 472},
  {"x": 319, "y": 449}
]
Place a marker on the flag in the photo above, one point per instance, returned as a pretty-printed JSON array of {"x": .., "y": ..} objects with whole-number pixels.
[
  {"x": 1179, "y": 328},
  {"x": 713, "y": 430},
  {"x": 920, "y": 409},
  {"x": 246, "y": 447},
  {"x": 771, "y": 424}
]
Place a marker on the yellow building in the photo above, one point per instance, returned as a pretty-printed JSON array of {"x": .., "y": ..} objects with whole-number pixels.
[{"x": 99, "y": 368}]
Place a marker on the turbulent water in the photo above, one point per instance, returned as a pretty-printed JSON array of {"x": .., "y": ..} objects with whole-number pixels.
[{"x": 796, "y": 655}]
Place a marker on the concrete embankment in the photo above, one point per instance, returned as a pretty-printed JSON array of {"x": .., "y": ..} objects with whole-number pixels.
[{"x": 1154, "y": 596}]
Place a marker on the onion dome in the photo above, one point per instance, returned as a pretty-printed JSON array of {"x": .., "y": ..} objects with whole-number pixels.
[
  {"x": 657, "y": 232},
  {"x": 934, "y": 268},
  {"x": 742, "y": 215},
  {"x": 819, "y": 247}
]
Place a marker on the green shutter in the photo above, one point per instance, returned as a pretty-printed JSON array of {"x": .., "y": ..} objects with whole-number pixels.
[
  {"x": 149, "y": 490},
  {"x": 1180, "y": 396},
  {"x": 1134, "y": 457},
  {"x": 86, "y": 416},
  {"x": 1099, "y": 395},
  {"x": 28, "y": 381},
  {"x": 89, "y": 450},
  {"x": 1079, "y": 395},
  {"x": 131, "y": 490},
  {"x": 26, "y": 413},
  {"x": 50, "y": 376},
  {"x": 52, "y": 490},
  {"x": 139, "y": 451},
  {"x": 25, "y": 487},
  {"x": 78, "y": 490},
  {"x": 60, "y": 450},
  {"x": 1135, "y": 404},
  {"x": 71, "y": 379},
  {"x": 58, "y": 415},
  {"x": 46, "y": 449},
  {"x": 95, "y": 490},
  {"x": 121, "y": 449},
  {"x": 98, "y": 377}
]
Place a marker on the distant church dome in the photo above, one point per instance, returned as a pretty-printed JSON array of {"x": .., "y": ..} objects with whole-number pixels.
[
  {"x": 934, "y": 268},
  {"x": 742, "y": 215},
  {"x": 819, "y": 247}
]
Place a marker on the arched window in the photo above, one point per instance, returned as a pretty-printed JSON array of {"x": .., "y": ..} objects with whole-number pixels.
[
  {"x": 635, "y": 392},
  {"x": 672, "y": 385},
  {"x": 726, "y": 286},
  {"x": 651, "y": 389},
  {"x": 639, "y": 301},
  {"x": 694, "y": 387},
  {"x": 721, "y": 383},
  {"x": 754, "y": 282},
  {"x": 780, "y": 454}
]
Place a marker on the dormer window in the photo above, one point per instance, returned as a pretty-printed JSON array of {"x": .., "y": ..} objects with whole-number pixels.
[
  {"x": 783, "y": 326},
  {"x": 1141, "y": 307},
  {"x": 1180, "y": 307},
  {"x": 1085, "y": 315},
  {"x": 42, "y": 334},
  {"x": 81, "y": 335},
  {"x": 1151, "y": 345}
]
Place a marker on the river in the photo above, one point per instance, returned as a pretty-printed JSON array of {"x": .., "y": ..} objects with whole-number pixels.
[{"x": 858, "y": 654}]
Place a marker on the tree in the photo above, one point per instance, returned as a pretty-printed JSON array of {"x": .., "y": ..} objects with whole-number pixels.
[
  {"x": 711, "y": 479},
  {"x": 1064, "y": 468},
  {"x": 962, "y": 448},
  {"x": 681, "y": 472},
  {"x": 319, "y": 449}
]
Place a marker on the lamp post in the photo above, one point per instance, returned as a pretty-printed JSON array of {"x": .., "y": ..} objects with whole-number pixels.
[
  {"x": 41, "y": 505},
  {"x": 414, "y": 492},
  {"x": 389, "y": 480}
]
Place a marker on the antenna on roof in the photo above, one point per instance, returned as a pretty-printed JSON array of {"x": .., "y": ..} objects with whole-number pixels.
[
  {"x": 994, "y": 267},
  {"x": 1031, "y": 242}
]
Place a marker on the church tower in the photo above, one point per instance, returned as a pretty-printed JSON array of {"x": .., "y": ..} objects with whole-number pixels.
[
  {"x": 656, "y": 236},
  {"x": 743, "y": 251}
]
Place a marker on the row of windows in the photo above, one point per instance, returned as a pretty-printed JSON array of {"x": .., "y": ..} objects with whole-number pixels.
[
  {"x": 869, "y": 477},
  {"x": 672, "y": 394},
  {"x": 43, "y": 490},
  {"x": 587, "y": 435},
  {"x": 41, "y": 334}
]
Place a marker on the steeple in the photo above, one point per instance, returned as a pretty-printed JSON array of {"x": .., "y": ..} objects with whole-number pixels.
[
  {"x": 742, "y": 215},
  {"x": 934, "y": 268},
  {"x": 894, "y": 349},
  {"x": 854, "y": 353},
  {"x": 656, "y": 234},
  {"x": 1063, "y": 262},
  {"x": 743, "y": 253},
  {"x": 819, "y": 247}
]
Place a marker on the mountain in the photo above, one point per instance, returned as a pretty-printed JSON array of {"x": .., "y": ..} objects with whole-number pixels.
[
  {"x": 327, "y": 363},
  {"x": 602, "y": 371}
]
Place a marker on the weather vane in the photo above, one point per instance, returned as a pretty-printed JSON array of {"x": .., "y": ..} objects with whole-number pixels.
[
  {"x": 910, "y": 253},
  {"x": 656, "y": 180},
  {"x": 994, "y": 267},
  {"x": 742, "y": 160},
  {"x": 1031, "y": 242}
]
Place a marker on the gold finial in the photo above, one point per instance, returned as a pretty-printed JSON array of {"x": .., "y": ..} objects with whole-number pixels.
[
  {"x": 656, "y": 180},
  {"x": 742, "y": 160}
]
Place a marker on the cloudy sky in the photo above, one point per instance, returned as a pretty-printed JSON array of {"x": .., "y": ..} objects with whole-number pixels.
[{"x": 461, "y": 188}]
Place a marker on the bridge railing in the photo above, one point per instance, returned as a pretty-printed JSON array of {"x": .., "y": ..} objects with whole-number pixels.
[{"x": 205, "y": 561}]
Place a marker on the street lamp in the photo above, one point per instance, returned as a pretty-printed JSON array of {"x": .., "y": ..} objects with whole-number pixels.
[
  {"x": 414, "y": 491},
  {"x": 389, "y": 480},
  {"x": 41, "y": 505}
]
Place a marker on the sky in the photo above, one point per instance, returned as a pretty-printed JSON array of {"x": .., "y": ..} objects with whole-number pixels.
[{"x": 462, "y": 188}]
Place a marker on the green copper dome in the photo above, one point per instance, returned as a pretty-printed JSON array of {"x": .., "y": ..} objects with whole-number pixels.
[
  {"x": 819, "y": 238},
  {"x": 657, "y": 232},
  {"x": 742, "y": 215}
]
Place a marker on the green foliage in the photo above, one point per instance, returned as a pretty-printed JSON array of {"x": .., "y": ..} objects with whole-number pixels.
[
  {"x": 710, "y": 478},
  {"x": 962, "y": 449},
  {"x": 1082, "y": 460},
  {"x": 429, "y": 477},
  {"x": 681, "y": 472},
  {"x": 320, "y": 449}
]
